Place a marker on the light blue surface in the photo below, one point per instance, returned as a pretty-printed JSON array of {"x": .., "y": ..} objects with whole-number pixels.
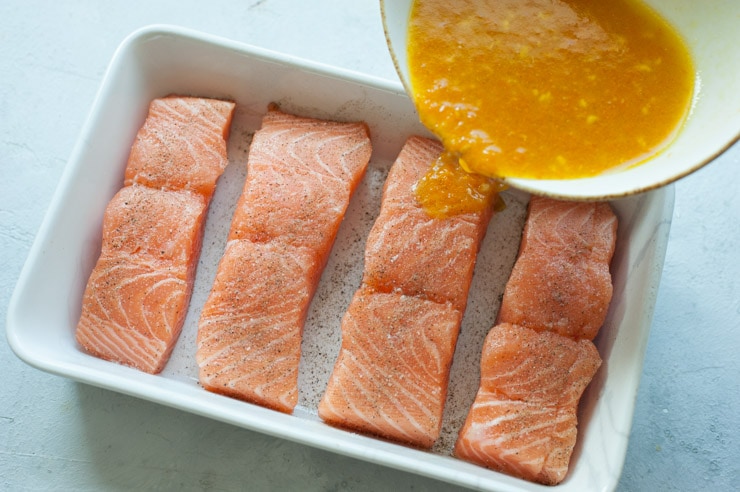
[{"x": 59, "y": 435}]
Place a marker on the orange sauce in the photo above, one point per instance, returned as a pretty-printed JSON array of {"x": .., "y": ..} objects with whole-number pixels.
[
  {"x": 448, "y": 190},
  {"x": 547, "y": 89}
]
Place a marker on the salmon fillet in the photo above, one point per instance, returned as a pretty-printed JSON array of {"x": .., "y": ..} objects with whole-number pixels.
[
  {"x": 523, "y": 420},
  {"x": 400, "y": 330},
  {"x": 249, "y": 340},
  {"x": 301, "y": 173},
  {"x": 182, "y": 145},
  {"x": 561, "y": 280},
  {"x": 136, "y": 298},
  {"x": 411, "y": 252},
  {"x": 392, "y": 372}
]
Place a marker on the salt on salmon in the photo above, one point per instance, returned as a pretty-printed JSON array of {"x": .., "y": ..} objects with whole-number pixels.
[
  {"x": 392, "y": 372},
  {"x": 182, "y": 145},
  {"x": 523, "y": 421},
  {"x": 561, "y": 280},
  {"x": 301, "y": 173},
  {"x": 399, "y": 333},
  {"x": 136, "y": 298}
]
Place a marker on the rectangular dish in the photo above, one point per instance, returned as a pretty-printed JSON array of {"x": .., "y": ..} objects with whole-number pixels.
[{"x": 162, "y": 60}]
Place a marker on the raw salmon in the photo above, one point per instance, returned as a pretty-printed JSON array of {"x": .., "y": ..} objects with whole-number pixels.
[
  {"x": 411, "y": 252},
  {"x": 561, "y": 280},
  {"x": 392, "y": 372},
  {"x": 137, "y": 296},
  {"x": 249, "y": 339},
  {"x": 400, "y": 330},
  {"x": 182, "y": 145},
  {"x": 301, "y": 173},
  {"x": 523, "y": 420}
]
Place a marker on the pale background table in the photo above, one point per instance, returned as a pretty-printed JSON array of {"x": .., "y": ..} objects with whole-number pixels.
[{"x": 56, "y": 434}]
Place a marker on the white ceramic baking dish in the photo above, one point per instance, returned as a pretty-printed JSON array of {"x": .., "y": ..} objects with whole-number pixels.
[{"x": 161, "y": 60}]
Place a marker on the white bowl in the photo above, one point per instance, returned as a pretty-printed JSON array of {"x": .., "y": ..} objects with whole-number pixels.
[
  {"x": 159, "y": 60},
  {"x": 712, "y": 32}
]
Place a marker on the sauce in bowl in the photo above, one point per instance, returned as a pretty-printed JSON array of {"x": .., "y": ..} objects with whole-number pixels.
[{"x": 548, "y": 89}]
